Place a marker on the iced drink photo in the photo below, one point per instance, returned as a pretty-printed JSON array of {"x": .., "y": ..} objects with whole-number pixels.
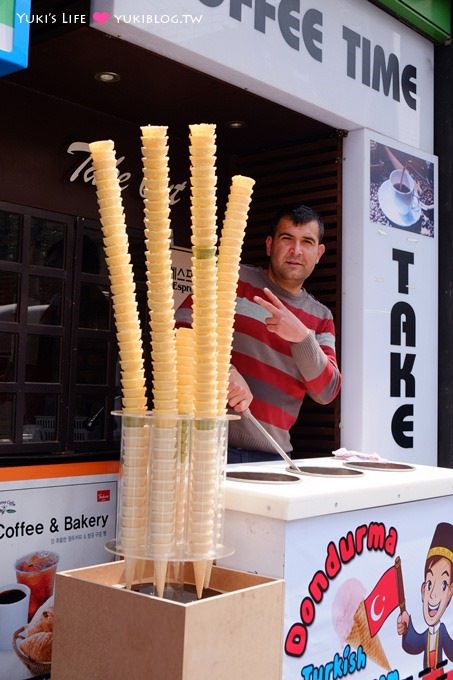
[{"x": 37, "y": 571}]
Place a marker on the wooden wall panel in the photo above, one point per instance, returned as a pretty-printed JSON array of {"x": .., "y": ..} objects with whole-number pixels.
[{"x": 305, "y": 173}]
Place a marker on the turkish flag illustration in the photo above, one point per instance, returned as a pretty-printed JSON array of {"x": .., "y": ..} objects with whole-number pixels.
[{"x": 382, "y": 600}]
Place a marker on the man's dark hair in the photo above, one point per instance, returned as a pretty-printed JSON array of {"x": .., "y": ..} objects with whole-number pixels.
[{"x": 298, "y": 214}]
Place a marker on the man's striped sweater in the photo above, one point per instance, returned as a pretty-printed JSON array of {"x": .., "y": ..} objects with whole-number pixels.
[{"x": 279, "y": 373}]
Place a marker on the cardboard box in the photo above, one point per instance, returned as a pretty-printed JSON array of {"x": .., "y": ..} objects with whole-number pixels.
[{"x": 102, "y": 631}]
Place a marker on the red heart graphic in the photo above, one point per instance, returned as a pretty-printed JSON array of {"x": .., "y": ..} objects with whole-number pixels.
[{"x": 101, "y": 17}]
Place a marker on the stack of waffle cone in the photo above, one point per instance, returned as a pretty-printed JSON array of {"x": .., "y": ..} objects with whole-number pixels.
[
  {"x": 162, "y": 504},
  {"x": 133, "y": 494},
  {"x": 202, "y": 505},
  {"x": 233, "y": 232},
  {"x": 204, "y": 266},
  {"x": 135, "y": 439},
  {"x": 122, "y": 285},
  {"x": 232, "y": 237},
  {"x": 161, "y": 525},
  {"x": 360, "y": 635},
  {"x": 156, "y": 514},
  {"x": 158, "y": 262},
  {"x": 185, "y": 362}
]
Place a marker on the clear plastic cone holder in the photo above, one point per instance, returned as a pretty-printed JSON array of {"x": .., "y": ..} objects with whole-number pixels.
[{"x": 171, "y": 489}]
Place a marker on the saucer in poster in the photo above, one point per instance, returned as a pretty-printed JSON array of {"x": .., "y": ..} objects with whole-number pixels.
[{"x": 388, "y": 207}]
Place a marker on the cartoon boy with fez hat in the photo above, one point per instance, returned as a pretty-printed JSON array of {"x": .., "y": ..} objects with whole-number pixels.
[{"x": 437, "y": 590}]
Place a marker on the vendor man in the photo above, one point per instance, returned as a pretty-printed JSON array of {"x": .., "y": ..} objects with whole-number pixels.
[{"x": 284, "y": 339}]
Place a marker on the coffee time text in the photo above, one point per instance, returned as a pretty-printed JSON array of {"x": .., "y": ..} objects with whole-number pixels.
[{"x": 301, "y": 28}]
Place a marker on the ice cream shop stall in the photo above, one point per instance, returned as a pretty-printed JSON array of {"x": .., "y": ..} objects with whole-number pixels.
[{"x": 316, "y": 568}]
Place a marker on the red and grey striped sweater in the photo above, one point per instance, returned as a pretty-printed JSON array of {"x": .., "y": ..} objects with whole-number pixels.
[{"x": 279, "y": 373}]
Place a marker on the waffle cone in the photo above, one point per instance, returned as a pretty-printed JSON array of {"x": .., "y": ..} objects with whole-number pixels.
[{"x": 360, "y": 635}]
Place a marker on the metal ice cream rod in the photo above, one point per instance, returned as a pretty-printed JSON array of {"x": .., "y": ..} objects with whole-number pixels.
[{"x": 270, "y": 439}]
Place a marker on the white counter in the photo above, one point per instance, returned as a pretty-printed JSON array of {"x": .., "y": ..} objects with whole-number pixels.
[
  {"x": 313, "y": 496},
  {"x": 330, "y": 536}
]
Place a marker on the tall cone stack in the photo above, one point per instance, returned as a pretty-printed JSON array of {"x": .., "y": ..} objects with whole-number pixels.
[
  {"x": 122, "y": 285},
  {"x": 173, "y": 468},
  {"x": 163, "y": 487},
  {"x": 185, "y": 362},
  {"x": 202, "y": 504},
  {"x": 135, "y": 436},
  {"x": 185, "y": 349},
  {"x": 158, "y": 262},
  {"x": 232, "y": 237},
  {"x": 360, "y": 635},
  {"x": 233, "y": 232},
  {"x": 204, "y": 266}
]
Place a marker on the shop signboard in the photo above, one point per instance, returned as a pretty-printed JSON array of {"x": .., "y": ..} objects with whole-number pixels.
[
  {"x": 390, "y": 299},
  {"x": 346, "y": 63},
  {"x": 14, "y": 35},
  {"x": 51, "y": 518},
  {"x": 368, "y": 594}
]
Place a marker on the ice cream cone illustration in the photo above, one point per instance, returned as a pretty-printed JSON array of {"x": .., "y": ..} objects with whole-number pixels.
[
  {"x": 360, "y": 635},
  {"x": 351, "y": 624}
]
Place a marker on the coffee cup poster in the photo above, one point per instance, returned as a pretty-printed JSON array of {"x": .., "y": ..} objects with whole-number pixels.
[
  {"x": 401, "y": 190},
  {"x": 370, "y": 596},
  {"x": 46, "y": 525}
]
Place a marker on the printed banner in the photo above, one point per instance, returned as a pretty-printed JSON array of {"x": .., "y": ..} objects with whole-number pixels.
[
  {"x": 46, "y": 525},
  {"x": 368, "y": 594},
  {"x": 390, "y": 300}
]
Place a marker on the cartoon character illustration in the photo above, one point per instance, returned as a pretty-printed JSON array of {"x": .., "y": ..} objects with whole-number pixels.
[{"x": 436, "y": 591}]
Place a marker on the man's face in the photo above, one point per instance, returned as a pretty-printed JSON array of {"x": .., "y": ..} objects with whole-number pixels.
[
  {"x": 437, "y": 591},
  {"x": 294, "y": 251}
]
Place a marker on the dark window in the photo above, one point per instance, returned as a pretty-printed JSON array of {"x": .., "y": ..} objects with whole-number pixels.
[{"x": 58, "y": 357}]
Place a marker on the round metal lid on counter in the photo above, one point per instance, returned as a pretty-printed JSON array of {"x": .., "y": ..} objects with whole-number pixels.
[
  {"x": 331, "y": 471},
  {"x": 262, "y": 477},
  {"x": 383, "y": 466}
]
